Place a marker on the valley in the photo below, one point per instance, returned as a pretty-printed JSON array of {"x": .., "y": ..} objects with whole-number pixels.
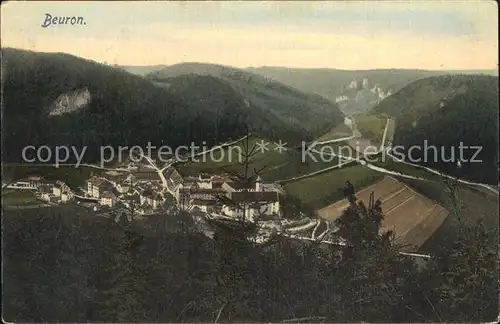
[{"x": 253, "y": 162}]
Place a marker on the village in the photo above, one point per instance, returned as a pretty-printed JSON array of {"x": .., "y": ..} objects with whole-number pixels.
[{"x": 138, "y": 190}]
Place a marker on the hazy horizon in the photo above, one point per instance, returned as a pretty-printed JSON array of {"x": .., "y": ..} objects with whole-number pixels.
[
  {"x": 304, "y": 68},
  {"x": 437, "y": 36}
]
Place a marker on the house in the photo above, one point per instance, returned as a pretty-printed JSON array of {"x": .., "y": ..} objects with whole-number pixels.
[
  {"x": 66, "y": 196},
  {"x": 156, "y": 201},
  {"x": 348, "y": 122},
  {"x": 207, "y": 181},
  {"x": 204, "y": 181},
  {"x": 59, "y": 187},
  {"x": 45, "y": 188},
  {"x": 56, "y": 190},
  {"x": 212, "y": 181},
  {"x": 123, "y": 184},
  {"x": 218, "y": 180},
  {"x": 62, "y": 191},
  {"x": 132, "y": 201},
  {"x": 123, "y": 188},
  {"x": 130, "y": 178},
  {"x": 173, "y": 177},
  {"x": 204, "y": 205},
  {"x": 48, "y": 197},
  {"x": 187, "y": 195},
  {"x": 108, "y": 198},
  {"x": 238, "y": 186},
  {"x": 232, "y": 186},
  {"x": 115, "y": 178},
  {"x": 96, "y": 186},
  {"x": 93, "y": 185},
  {"x": 45, "y": 192},
  {"x": 252, "y": 204},
  {"x": 182, "y": 189},
  {"x": 200, "y": 193},
  {"x": 151, "y": 197}
]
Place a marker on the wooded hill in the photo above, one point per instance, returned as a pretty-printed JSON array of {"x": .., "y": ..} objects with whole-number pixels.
[
  {"x": 446, "y": 111},
  {"x": 332, "y": 83},
  {"x": 125, "y": 109},
  {"x": 280, "y": 109}
]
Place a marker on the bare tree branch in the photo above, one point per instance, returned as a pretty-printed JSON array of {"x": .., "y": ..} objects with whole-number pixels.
[{"x": 220, "y": 312}]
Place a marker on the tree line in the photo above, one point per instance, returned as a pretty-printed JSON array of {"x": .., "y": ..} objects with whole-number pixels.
[{"x": 62, "y": 265}]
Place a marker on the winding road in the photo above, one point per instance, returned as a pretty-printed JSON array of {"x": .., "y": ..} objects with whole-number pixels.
[{"x": 373, "y": 167}]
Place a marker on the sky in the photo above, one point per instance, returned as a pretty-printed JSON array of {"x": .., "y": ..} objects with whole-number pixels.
[{"x": 433, "y": 35}]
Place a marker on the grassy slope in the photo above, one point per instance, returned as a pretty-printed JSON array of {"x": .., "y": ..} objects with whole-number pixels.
[
  {"x": 371, "y": 127},
  {"x": 338, "y": 131},
  {"x": 388, "y": 163},
  {"x": 12, "y": 197},
  {"x": 324, "y": 189},
  {"x": 277, "y": 165}
]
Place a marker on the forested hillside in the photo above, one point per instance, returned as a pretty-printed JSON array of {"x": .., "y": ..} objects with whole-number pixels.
[
  {"x": 355, "y": 91},
  {"x": 273, "y": 103},
  {"x": 123, "y": 109},
  {"x": 58, "y": 99},
  {"x": 449, "y": 111}
]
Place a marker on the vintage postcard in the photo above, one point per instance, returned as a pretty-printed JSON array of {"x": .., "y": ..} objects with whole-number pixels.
[{"x": 250, "y": 161}]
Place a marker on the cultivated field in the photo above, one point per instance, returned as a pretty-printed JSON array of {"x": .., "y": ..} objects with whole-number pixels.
[
  {"x": 412, "y": 217},
  {"x": 339, "y": 131},
  {"x": 275, "y": 165},
  {"x": 372, "y": 127},
  {"x": 320, "y": 190}
]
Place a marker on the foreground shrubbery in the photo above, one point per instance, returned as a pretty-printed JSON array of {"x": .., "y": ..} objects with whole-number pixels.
[{"x": 62, "y": 265}]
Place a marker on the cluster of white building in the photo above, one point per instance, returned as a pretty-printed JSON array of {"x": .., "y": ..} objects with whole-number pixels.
[
  {"x": 143, "y": 191},
  {"x": 222, "y": 195},
  {"x": 216, "y": 194}
]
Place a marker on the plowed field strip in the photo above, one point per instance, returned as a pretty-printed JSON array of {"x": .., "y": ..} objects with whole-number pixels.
[
  {"x": 390, "y": 204},
  {"x": 393, "y": 194},
  {"x": 412, "y": 216},
  {"x": 385, "y": 187},
  {"x": 405, "y": 216},
  {"x": 424, "y": 230}
]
